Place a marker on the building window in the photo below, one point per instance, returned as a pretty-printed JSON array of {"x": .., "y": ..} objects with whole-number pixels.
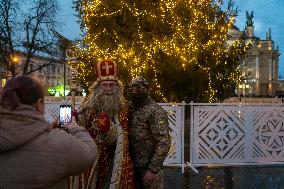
[
  {"x": 31, "y": 67},
  {"x": 48, "y": 69},
  {"x": 53, "y": 70}
]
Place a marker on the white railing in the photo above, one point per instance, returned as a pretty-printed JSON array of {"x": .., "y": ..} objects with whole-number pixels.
[
  {"x": 221, "y": 134},
  {"x": 52, "y": 105},
  {"x": 176, "y": 123},
  {"x": 254, "y": 100},
  {"x": 236, "y": 134}
]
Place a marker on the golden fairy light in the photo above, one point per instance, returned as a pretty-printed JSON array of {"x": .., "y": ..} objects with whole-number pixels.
[{"x": 136, "y": 50}]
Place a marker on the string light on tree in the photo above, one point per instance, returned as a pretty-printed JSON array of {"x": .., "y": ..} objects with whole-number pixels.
[{"x": 163, "y": 40}]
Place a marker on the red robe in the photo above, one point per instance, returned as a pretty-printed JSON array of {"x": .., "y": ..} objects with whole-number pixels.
[{"x": 106, "y": 149}]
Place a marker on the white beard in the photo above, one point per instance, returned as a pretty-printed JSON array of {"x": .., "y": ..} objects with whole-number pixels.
[{"x": 108, "y": 102}]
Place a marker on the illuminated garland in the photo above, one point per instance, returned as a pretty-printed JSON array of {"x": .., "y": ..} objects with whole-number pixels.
[{"x": 137, "y": 52}]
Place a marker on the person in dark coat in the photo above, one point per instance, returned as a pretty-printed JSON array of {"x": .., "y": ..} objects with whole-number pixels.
[{"x": 33, "y": 153}]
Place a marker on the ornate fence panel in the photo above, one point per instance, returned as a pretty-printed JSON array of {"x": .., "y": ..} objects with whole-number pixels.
[
  {"x": 176, "y": 121},
  {"x": 254, "y": 100},
  {"x": 236, "y": 134}
]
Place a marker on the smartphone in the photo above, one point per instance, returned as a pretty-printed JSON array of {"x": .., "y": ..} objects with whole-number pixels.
[{"x": 65, "y": 114}]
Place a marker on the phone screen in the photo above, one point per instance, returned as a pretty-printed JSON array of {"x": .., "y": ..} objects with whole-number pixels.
[{"x": 65, "y": 114}]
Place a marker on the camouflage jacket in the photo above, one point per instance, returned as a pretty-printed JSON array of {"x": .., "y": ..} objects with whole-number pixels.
[{"x": 149, "y": 135}]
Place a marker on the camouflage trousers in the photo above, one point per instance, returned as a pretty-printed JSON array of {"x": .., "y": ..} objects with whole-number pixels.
[{"x": 139, "y": 173}]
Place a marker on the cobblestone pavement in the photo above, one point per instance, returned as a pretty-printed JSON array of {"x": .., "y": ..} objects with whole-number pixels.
[
  {"x": 173, "y": 178},
  {"x": 253, "y": 177}
]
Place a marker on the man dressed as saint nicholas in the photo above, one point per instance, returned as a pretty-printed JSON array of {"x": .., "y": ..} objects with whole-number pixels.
[{"x": 104, "y": 114}]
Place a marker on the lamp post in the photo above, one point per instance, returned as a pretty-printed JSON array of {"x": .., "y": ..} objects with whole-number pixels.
[
  {"x": 4, "y": 46},
  {"x": 72, "y": 57}
]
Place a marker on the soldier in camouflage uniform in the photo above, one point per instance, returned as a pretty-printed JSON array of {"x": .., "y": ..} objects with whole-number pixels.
[{"x": 149, "y": 136}]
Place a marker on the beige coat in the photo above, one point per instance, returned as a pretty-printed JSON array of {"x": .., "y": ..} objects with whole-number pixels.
[{"x": 34, "y": 156}]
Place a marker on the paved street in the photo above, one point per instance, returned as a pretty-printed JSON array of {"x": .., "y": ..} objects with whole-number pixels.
[{"x": 241, "y": 178}]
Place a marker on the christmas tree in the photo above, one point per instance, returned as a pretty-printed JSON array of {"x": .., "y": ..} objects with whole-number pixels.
[{"x": 179, "y": 46}]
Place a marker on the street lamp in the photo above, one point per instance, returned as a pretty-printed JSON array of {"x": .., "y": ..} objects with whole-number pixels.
[
  {"x": 13, "y": 68},
  {"x": 15, "y": 59},
  {"x": 72, "y": 57}
]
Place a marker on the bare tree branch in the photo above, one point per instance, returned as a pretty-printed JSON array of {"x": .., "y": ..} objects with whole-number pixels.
[
  {"x": 27, "y": 29},
  {"x": 39, "y": 67}
]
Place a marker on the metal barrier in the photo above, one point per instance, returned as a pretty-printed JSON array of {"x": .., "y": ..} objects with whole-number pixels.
[
  {"x": 176, "y": 123},
  {"x": 236, "y": 134},
  {"x": 220, "y": 134},
  {"x": 52, "y": 106}
]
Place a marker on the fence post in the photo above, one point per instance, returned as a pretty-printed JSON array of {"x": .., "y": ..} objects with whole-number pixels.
[
  {"x": 228, "y": 177},
  {"x": 182, "y": 135}
]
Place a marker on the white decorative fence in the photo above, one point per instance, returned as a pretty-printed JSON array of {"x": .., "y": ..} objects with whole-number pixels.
[
  {"x": 176, "y": 123},
  {"x": 235, "y": 134},
  {"x": 52, "y": 106},
  {"x": 220, "y": 134},
  {"x": 254, "y": 100}
]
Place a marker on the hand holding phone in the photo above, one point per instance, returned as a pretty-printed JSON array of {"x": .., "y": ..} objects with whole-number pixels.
[{"x": 65, "y": 115}]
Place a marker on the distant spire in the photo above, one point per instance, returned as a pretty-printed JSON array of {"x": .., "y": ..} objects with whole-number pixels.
[{"x": 269, "y": 34}]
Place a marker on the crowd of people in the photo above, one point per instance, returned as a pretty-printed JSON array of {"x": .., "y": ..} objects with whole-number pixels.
[{"x": 116, "y": 143}]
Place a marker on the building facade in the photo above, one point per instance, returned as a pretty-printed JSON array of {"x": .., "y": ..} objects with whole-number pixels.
[
  {"x": 51, "y": 72},
  {"x": 260, "y": 67}
]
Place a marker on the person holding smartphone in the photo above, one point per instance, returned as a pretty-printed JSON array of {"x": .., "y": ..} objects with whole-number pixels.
[{"x": 33, "y": 153}]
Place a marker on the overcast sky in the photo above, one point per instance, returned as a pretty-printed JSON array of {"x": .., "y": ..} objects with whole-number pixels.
[
  {"x": 267, "y": 14},
  {"x": 69, "y": 27}
]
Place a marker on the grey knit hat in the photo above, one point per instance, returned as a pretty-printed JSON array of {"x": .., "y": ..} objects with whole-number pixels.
[{"x": 140, "y": 83}]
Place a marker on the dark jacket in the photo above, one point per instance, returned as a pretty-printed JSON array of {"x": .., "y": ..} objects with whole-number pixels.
[{"x": 34, "y": 156}]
